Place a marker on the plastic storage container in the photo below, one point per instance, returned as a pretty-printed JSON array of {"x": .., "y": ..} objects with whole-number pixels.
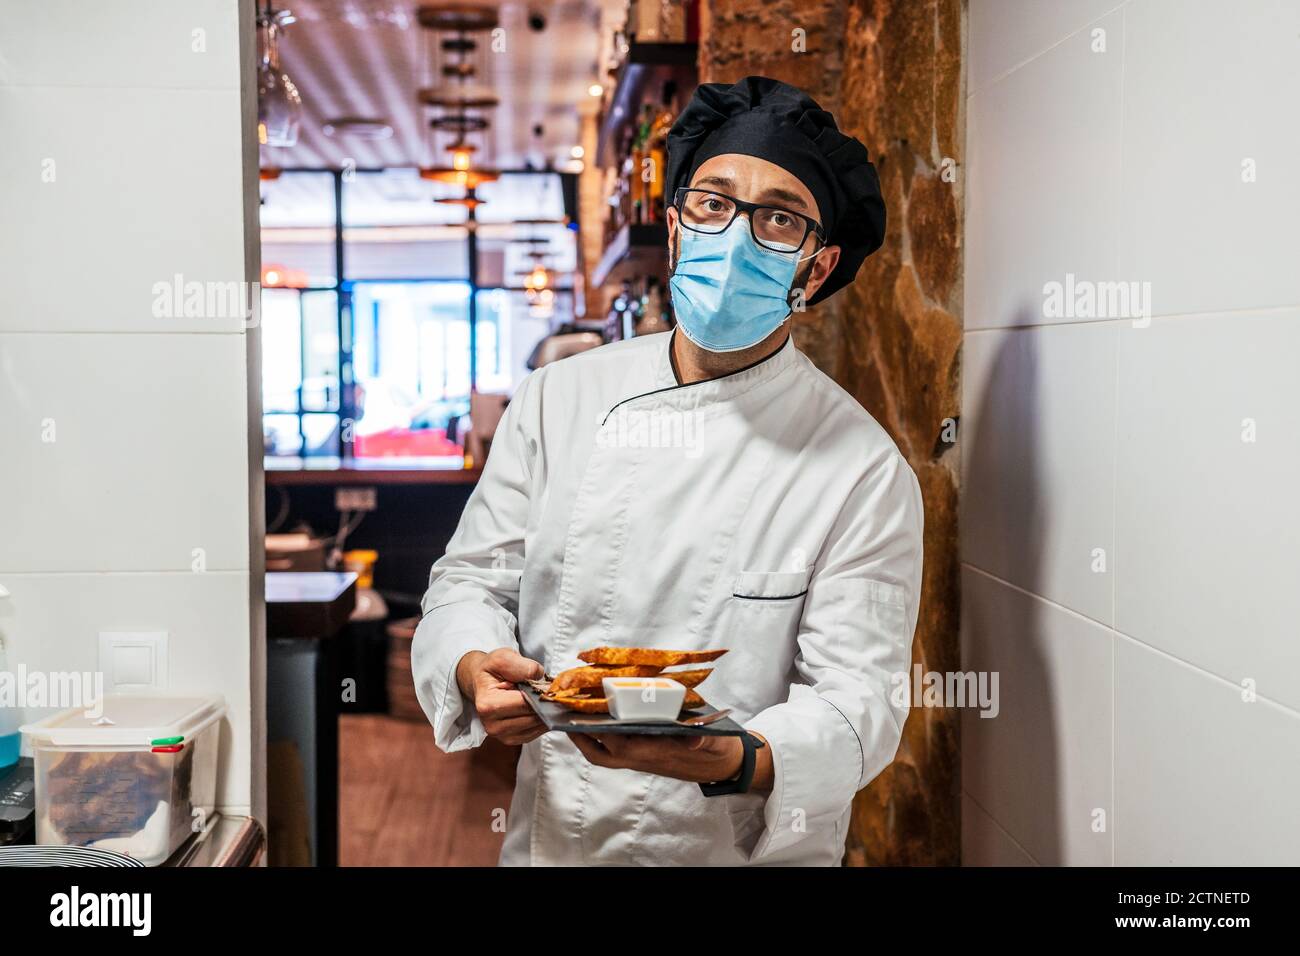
[
  {"x": 10, "y": 718},
  {"x": 138, "y": 779}
]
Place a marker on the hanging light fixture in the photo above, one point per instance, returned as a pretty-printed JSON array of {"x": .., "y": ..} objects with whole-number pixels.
[
  {"x": 279, "y": 106},
  {"x": 469, "y": 201},
  {"x": 537, "y": 281},
  {"x": 453, "y": 23}
]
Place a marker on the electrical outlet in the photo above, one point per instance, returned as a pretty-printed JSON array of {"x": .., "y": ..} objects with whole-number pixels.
[
  {"x": 133, "y": 660},
  {"x": 356, "y": 499}
]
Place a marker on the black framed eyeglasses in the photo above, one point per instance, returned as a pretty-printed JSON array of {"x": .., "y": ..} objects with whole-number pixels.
[{"x": 773, "y": 228}]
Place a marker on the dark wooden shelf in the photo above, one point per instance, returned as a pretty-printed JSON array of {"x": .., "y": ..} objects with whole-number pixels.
[
  {"x": 644, "y": 62},
  {"x": 637, "y": 250}
]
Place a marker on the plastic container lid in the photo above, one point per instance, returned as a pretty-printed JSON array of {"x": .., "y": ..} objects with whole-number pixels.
[{"x": 129, "y": 721}]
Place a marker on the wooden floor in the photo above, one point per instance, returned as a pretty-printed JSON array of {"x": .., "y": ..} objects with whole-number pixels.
[{"x": 403, "y": 802}]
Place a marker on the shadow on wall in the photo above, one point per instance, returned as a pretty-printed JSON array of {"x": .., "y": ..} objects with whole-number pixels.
[{"x": 1003, "y": 461}]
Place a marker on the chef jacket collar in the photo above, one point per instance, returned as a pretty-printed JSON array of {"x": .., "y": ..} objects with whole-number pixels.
[{"x": 665, "y": 388}]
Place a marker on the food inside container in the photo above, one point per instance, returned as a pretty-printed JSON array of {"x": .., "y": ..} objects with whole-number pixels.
[
  {"x": 643, "y": 698},
  {"x": 136, "y": 775}
]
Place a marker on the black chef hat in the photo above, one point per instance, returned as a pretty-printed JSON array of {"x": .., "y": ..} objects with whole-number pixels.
[{"x": 783, "y": 125}]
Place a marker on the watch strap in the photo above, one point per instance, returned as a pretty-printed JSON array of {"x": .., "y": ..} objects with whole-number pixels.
[{"x": 740, "y": 784}]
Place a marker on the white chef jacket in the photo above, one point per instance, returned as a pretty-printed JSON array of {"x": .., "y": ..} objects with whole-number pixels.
[{"x": 764, "y": 512}]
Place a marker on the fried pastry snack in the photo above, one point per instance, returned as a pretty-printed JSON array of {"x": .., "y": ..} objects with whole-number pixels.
[
  {"x": 579, "y": 677},
  {"x": 649, "y": 656}
]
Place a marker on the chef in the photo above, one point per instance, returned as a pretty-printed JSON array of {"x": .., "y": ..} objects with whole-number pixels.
[{"x": 702, "y": 488}]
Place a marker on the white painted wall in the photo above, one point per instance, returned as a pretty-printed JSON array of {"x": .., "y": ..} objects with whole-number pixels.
[
  {"x": 1121, "y": 690},
  {"x": 128, "y": 159}
]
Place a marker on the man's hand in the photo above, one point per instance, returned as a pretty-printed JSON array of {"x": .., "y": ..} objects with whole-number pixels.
[
  {"x": 488, "y": 683},
  {"x": 696, "y": 759}
]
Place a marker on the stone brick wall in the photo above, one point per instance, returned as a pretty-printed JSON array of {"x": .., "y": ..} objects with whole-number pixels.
[
  {"x": 761, "y": 37},
  {"x": 891, "y": 71}
]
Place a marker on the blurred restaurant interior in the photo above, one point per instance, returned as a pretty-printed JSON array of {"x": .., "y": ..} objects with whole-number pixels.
[{"x": 450, "y": 198}]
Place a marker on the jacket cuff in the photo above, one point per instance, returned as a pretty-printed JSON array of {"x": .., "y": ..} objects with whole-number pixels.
[
  {"x": 443, "y": 637},
  {"x": 817, "y": 767}
]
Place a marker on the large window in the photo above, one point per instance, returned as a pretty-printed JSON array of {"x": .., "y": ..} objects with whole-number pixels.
[
  {"x": 300, "y": 372},
  {"x": 367, "y": 338},
  {"x": 410, "y": 360}
]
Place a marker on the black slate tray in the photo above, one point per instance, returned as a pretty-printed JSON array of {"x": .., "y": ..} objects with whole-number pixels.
[{"x": 560, "y": 718}]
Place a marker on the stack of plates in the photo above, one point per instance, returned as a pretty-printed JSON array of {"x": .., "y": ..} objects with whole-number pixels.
[{"x": 62, "y": 856}]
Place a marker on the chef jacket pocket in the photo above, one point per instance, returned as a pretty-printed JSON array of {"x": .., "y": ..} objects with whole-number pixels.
[
  {"x": 769, "y": 601},
  {"x": 788, "y": 586},
  {"x": 759, "y": 620}
]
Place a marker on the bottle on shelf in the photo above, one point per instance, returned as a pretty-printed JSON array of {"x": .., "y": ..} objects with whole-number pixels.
[
  {"x": 630, "y": 306},
  {"x": 653, "y": 316},
  {"x": 617, "y": 50},
  {"x": 657, "y": 149},
  {"x": 628, "y": 194},
  {"x": 641, "y": 168},
  {"x": 691, "y": 20},
  {"x": 611, "y": 192},
  {"x": 617, "y": 323},
  {"x": 612, "y": 324}
]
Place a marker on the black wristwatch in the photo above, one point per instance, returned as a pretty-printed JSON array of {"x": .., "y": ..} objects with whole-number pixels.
[{"x": 750, "y": 745}]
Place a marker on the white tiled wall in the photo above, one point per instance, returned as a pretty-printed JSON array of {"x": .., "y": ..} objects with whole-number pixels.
[
  {"x": 1043, "y": 478},
  {"x": 115, "y": 154},
  {"x": 1051, "y": 733},
  {"x": 1130, "y": 518},
  {"x": 126, "y": 480},
  {"x": 1207, "y": 525},
  {"x": 1202, "y": 778},
  {"x": 1208, "y": 86},
  {"x": 1044, "y": 171}
]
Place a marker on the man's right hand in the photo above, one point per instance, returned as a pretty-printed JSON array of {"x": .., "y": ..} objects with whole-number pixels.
[{"x": 488, "y": 683}]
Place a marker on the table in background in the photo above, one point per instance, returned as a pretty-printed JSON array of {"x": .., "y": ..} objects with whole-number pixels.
[{"x": 305, "y": 610}]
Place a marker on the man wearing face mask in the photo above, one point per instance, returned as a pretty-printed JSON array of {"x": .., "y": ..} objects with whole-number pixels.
[{"x": 703, "y": 488}]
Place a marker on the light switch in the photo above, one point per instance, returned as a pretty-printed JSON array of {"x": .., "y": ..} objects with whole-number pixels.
[
  {"x": 133, "y": 661},
  {"x": 132, "y": 664}
]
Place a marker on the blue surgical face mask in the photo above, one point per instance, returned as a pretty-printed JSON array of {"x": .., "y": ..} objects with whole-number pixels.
[{"x": 729, "y": 292}]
